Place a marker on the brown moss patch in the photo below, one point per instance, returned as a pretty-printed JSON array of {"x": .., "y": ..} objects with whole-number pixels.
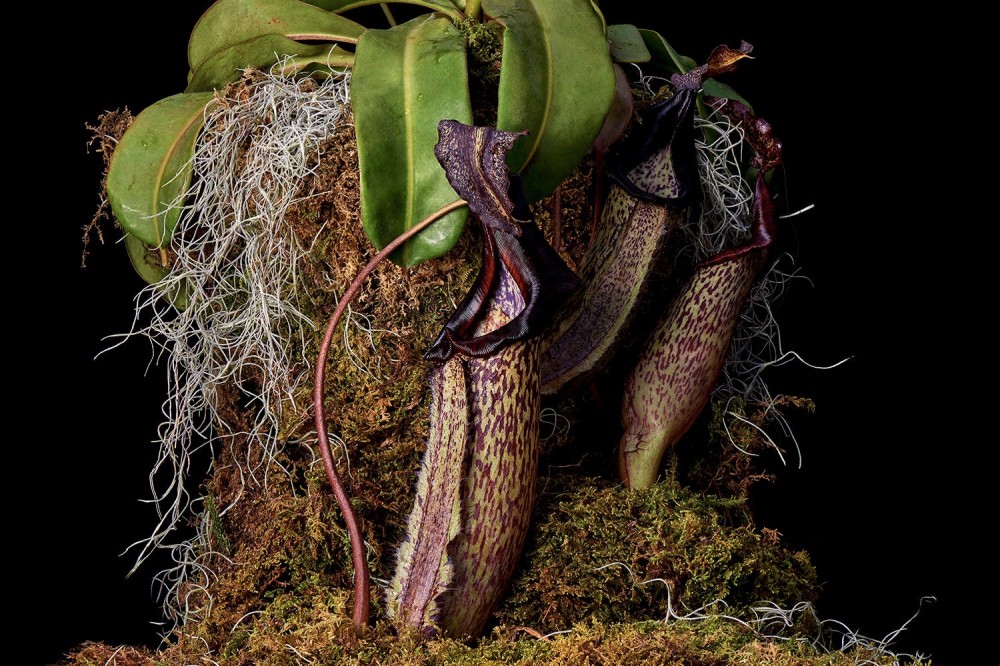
[
  {"x": 709, "y": 458},
  {"x": 567, "y": 216},
  {"x": 714, "y": 642},
  {"x": 104, "y": 136}
]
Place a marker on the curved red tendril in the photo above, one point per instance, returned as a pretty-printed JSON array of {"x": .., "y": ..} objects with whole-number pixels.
[{"x": 362, "y": 586}]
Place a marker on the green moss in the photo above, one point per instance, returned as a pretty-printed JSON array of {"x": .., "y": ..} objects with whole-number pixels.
[
  {"x": 484, "y": 49},
  {"x": 483, "y": 41},
  {"x": 713, "y": 642},
  {"x": 645, "y": 549},
  {"x": 216, "y": 528}
]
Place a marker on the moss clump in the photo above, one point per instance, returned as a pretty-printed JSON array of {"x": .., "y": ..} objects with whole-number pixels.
[
  {"x": 713, "y": 642},
  {"x": 567, "y": 216},
  {"x": 288, "y": 562},
  {"x": 484, "y": 48},
  {"x": 104, "y": 136},
  {"x": 711, "y": 457},
  {"x": 603, "y": 552}
]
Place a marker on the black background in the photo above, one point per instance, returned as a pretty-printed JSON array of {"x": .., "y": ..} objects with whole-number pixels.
[{"x": 891, "y": 500}]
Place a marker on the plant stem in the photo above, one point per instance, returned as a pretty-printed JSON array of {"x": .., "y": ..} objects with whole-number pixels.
[
  {"x": 557, "y": 243},
  {"x": 598, "y": 182},
  {"x": 362, "y": 585},
  {"x": 388, "y": 14},
  {"x": 473, "y": 9}
]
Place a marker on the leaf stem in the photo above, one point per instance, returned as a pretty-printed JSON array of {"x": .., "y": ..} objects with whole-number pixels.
[
  {"x": 388, "y": 14},
  {"x": 362, "y": 585},
  {"x": 709, "y": 135},
  {"x": 557, "y": 243},
  {"x": 473, "y": 9}
]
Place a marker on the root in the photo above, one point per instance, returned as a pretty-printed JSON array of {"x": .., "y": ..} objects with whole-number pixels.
[
  {"x": 725, "y": 218},
  {"x": 553, "y": 424},
  {"x": 771, "y": 622},
  {"x": 774, "y": 623},
  {"x": 362, "y": 323},
  {"x": 756, "y": 346}
]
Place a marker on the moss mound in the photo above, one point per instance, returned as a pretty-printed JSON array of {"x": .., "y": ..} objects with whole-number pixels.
[
  {"x": 607, "y": 572},
  {"x": 613, "y": 555},
  {"x": 708, "y": 643}
]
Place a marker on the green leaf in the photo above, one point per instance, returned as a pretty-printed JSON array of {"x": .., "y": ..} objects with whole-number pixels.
[
  {"x": 229, "y": 22},
  {"x": 718, "y": 89},
  {"x": 405, "y": 80},
  {"x": 262, "y": 52},
  {"x": 627, "y": 44},
  {"x": 663, "y": 58},
  {"x": 556, "y": 81},
  {"x": 146, "y": 262},
  {"x": 151, "y": 166},
  {"x": 452, "y": 9}
]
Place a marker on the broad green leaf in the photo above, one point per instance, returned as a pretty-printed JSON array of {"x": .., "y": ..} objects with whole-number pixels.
[
  {"x": 146, "y": 262},
  {"x": 627, "y": 44},
  {"x": 718, "y": 89},
  {"x": 452, "y": 9},
  {"x": 407, "y": 79},
  {"x": 556, "y": 81},
  {"x": 664, "y": 59},
  {"x": 151, "y": 166},
  {"x": 229, "y": 22},
  {"x": 262, "y": 52}
]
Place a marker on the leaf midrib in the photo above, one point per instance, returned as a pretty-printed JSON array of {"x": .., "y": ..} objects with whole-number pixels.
[
  {"x": 549, "y": 87},
  {"x": 408, "y": 116}
]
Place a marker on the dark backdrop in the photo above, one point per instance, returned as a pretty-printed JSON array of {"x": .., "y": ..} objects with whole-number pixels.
[{"x": 888, "y": 497}]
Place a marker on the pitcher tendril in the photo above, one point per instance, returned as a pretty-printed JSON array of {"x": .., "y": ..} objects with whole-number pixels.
[{"x": 362, "y": 586}]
